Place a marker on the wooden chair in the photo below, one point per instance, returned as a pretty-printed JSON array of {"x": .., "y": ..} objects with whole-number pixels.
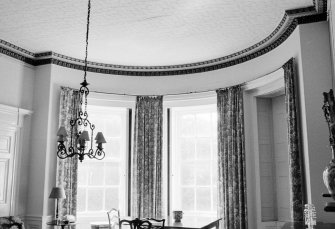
[
  {"x": 113, "y": 218},
  {"x": 156, "y": 223},
  {"x": 136, "y": 224}
]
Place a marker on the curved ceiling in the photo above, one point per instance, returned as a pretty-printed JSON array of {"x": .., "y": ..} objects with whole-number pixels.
[{"x": 143, "y": 32}]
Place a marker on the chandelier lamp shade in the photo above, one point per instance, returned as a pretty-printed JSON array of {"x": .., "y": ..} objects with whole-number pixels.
[{"x": 81, "y": 129}]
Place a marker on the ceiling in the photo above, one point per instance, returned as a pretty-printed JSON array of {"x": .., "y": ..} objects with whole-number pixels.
[{"x": 142, "y": 32}]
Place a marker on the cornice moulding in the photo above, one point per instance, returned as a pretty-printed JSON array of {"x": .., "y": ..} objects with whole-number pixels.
[{"x": 287, "y": 25}]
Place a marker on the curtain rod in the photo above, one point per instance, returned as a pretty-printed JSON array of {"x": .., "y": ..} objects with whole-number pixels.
[{"x": 182, "y": 93}]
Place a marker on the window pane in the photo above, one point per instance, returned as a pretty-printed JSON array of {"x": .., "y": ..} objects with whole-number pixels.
[
  {"x": 81, "y": 197},
  {"x": 187, "y": 199},
  {"x": 204, "y": 124},
  {"x": 187, "y": 125},
  {"x": 83, "y": 177},
  {"x": 214, "y": 196},
  {"x": 94, "y": 200},
  {"x": 113, "y": 148},
  {"x": 112, "y": 198},
  {"x": 203, "y": 148},
  {"x": 112, "y": 174},
  {"x": 96, "y": 173},
  {"x": 114, "y": 126},
  {"x": 187, "y": 174},
  {"x": 203, "y": 199},
  {"x": 187, "y": 148},
  {"x": 203, "y": 173}
]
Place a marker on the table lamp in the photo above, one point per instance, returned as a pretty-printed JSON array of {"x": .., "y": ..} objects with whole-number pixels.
[{"x": 57, "y": 193}]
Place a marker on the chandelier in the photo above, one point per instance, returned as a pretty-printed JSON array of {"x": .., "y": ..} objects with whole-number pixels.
[{"x": 82, "y": 130}]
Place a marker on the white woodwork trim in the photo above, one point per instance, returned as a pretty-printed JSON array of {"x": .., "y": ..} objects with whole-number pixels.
[
  {"x": 192, "y": 99},
  {"x": 12, "y": 116},
  {"x": 32, "y": 222},
  {"x": 105, "y": 99},
  {"x": 265, "y": 81},
  {"x": 36, "y": 221},
  {"x": 12, "y": 119},
  {"x": 271, "y": 84},
  {"x": 17, "y": 162}
]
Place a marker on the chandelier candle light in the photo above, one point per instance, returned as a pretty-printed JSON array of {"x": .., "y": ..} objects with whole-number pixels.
[{"x": 79, "y": 136}]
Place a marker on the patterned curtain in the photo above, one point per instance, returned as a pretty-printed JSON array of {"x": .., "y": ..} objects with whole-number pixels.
[
  {"x": 297, "y": 192},
  {"x": 147, "y": 159},
  {"x": 67, "y": 169},
  {"x": 231, "y": 159}
]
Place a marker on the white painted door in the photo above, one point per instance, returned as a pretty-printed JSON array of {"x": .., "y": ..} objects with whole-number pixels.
[{"x": 7, "y": 156}]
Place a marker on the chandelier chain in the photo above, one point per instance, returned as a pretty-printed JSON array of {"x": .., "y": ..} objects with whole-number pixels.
[{"x": 87, "y": 32}]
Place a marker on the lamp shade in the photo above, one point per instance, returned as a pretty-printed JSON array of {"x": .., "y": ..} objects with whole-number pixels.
[
  {"x": 62, "y": 139},
  {"x": 61, "y": 131},
  {"x": 57, "y": 193},
  {"x": 84, "y": 136},
  {"x": 100, "y": 138}
]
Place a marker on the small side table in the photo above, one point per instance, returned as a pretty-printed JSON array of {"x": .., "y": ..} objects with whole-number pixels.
[{"x": 61, "y": 224}]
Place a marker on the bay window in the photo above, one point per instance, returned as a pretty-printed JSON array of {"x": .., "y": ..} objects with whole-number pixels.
[{"x": 189, "y": 164}]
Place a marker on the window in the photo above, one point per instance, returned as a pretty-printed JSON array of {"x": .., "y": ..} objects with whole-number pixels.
[
  {"x": 194, "y": 161},
  {"x": 102, "y": 183}
]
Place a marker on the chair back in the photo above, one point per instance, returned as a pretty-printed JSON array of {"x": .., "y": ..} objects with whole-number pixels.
[
  {"x": 157, "y": 223},
  {"x": 136, "y": 224},
  {"x": 113, "y": 218}
]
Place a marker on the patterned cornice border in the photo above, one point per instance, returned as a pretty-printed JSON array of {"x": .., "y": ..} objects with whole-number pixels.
[{"x": 289, "y": 22}]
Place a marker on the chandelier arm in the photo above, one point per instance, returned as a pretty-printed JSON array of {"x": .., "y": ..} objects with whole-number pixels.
[
  {"x": 71, "y": 132},
  {"x": 61, "y": 151},
  {"x": 92, "y": 135},
  {"x": 98, "y": 154}
]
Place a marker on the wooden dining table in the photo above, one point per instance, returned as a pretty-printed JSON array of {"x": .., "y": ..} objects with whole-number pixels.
[
  {"x": 186, "y": 223},
  {"x": 193, "y": 223}
]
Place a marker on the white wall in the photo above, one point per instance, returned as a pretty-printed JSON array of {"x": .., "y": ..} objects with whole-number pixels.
[
  {"x": 38, "y": 173},
  {"x": 17, "y": 82},
  {"x": 315, "y": 78}
]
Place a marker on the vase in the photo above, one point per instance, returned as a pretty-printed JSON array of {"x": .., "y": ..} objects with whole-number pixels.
[
  {"x": 177, "y": 215},
  {"x": 329, "y": 175}
]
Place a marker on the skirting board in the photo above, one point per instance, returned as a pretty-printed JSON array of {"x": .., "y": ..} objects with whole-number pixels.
[{"x": 36, "y": 222}]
